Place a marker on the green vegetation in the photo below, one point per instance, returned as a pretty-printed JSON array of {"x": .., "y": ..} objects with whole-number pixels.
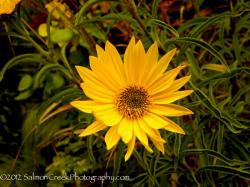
[{"x": 39, "y": 129}]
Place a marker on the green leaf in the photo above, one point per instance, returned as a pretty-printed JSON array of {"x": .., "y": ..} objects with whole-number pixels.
[
  {"x": 191, "y": 23},
  {"x": 118, "y": 158},
  {"x": 90, "y": 141},
  {"x": 239, "y": 107},
  {"x": 57, "y": 80},
  {"x": 231, "y": 123},
  {"x": 155, "y": 6},
  {"x": 239, "y": 147},
  {"x": 64, "y": 96},
  {"x": 18, "y": 60},
  {"x": 227, "y": 170},
  {"x": 164, "y": 25},
  {"x": 194, "y": 65},
  {"x": 25, "y": 82},
  {"x": 211, "y": 20},
  {"x": 39, "y": 77},
  {"x": 62, "y": 35},
  {"x": 227, "y": 75},
  {"x": 219, "y": 156},
  {"x": 111, "y": 16},
  {"x": 201, "y": 44},
  {"x": 23, "y": 95},
  {"x": 84, "y": 9}
]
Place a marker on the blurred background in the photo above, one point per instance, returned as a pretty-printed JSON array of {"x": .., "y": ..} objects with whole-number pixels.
[{"x": 40, "y": 43}]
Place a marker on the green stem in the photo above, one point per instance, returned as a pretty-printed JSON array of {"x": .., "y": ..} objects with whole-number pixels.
[
  {"x": 25, "y": 33},
  {"x": 66, "y": 63},
  {"x": 9, "y": 39},
  {"x": 81, "y": 31},
  {"x": 133, "y": 12}
]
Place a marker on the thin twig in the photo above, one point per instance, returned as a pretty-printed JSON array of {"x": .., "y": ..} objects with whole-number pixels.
[
  {"x": 9, "y": 39},
  {"x": 33, "y": 31}
]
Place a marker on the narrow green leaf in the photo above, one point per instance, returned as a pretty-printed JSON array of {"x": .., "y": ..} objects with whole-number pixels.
[
  {"x": 39, "y": 77},
  {"x": 111, "y": 16},
  {"x": 84, "y": 9},
  {"x": 90, "y": 140},
  {"x": 155, "y": 6},
  {"x": 63, "y": 96},
  {"x": 227, "y": 75},
  {"x": 239, "y": 147},
  {"x": 202, "y": 44},
  {"x": 224, "y": 117},
  {"x": 219, "y": 156},
  {"x": 18, "y": 60},
  {"x": 118, "y": 158},
  {"x": 194, "y": 65},
  {"x": 227, "y": 170},
  {"x": 191, "y": 23},
  {"x": 211, "y": 20},
  {"x": 164, "y": 25}
]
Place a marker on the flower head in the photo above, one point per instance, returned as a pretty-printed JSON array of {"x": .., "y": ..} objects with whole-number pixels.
[
  {"x": 132, "y": 98},
  {"x": 57, "y": 6},
  {"x": 8, "y": 6}
]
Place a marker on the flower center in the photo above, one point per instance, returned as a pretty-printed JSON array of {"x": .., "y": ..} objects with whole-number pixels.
[{"x": 133, "y": 102}]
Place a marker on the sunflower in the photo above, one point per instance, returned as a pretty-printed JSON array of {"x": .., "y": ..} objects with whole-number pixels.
[
  {"x": 8, "y": 6},
  {"x": 132, "y": 98}
]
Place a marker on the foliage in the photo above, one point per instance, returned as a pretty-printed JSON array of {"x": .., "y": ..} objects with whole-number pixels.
[{"x": 39, "y": 80}]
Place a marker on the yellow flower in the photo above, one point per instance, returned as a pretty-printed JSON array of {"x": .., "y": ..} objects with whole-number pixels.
[
  {"x": 8, "y": 6},
  {"x": 132, "y": 99},
  {"x": 57, "y": 5}
]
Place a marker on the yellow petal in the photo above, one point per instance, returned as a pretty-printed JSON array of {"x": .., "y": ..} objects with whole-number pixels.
[
  {"x": 130, "y": 149},
  {"x": 104, "y": 91},
  {"x": 90, "y": 77},
  {"x": 158, "y": 136},
  {"x": 84, "y": 106},
  {"x": 112, "y": 137},
  {"x": 165, "y": 60},
  {"x": 152, "y": 133},
  {"x": 170, "y": 110},
  {"x": 159, "y": 145},
  {"x": 140, "y": 134},
  {"x": 110, "y": 58},
  {"x": 161, "y": 66},
  {"x": 125, "y": 130},
  {"x": 164, "y": 81},
  {"x": 7, "y": 7},
  {"x": 97, "y": 93},
  {"x": 104, "y": 73},
  {"x": 148, "y": 148},
  {"x": 154, "y": 121},
  {"x": 107, "y": 114},
  {"x": 93, "y": 128},
  {"x": 177, "y": 84},
  {"x": 173, "y": 127},
  {"x": 100, "y": 54},
  {"x": 139, "y": 62},
  {"x": 170, "y": 97},
  {"x": 129, "y": 61},
  {"x": 86, "y": 74},
  {"x": 215, "y": 67},
  {"x": 114, "y": 61},
  {"x": 152, "y": 54},
  {"x": 150, "y": 65}
]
